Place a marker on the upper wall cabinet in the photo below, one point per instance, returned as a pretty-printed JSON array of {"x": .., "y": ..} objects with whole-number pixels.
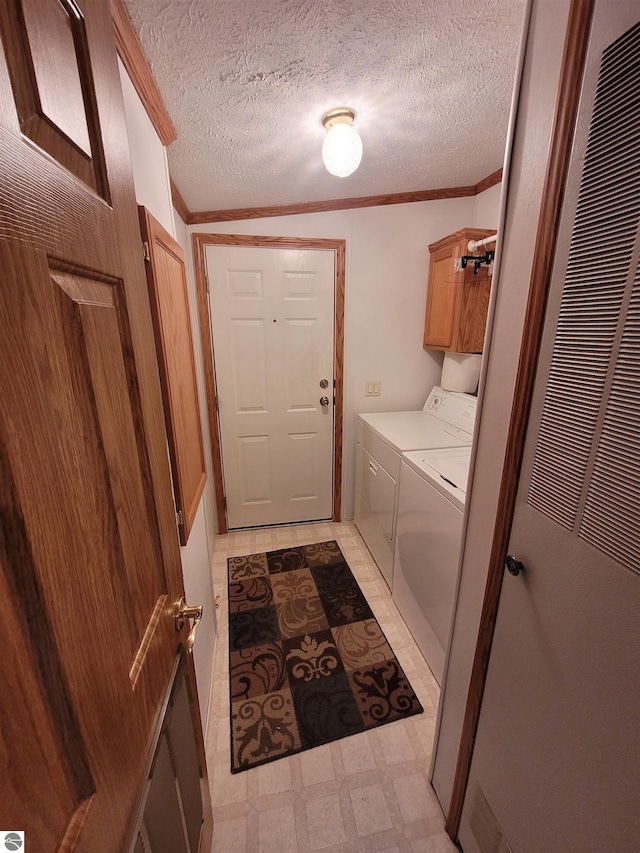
[
  {"x": 174, "y": 344},
  {"x": 457, "y": 299}
]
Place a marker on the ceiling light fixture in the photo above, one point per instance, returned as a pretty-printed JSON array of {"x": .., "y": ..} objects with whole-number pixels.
[{"x": 342, "y": 146}]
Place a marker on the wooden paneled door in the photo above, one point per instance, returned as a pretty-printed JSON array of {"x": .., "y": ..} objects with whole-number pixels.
[
  {"x": 167, "y": 280},
  {"x": 89, "y": 558}
]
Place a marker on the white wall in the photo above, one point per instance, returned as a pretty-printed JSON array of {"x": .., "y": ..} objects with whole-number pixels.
[
  {"x": 387, "y": 268},
  {"x": 151, "y": 180},
  {"x": 148, "y": 156},
  {"x": 487, "y": 208},
  {"x": 525, "y": 183}
]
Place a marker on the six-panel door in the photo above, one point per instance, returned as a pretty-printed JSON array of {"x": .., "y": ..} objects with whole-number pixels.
[
  {"x": 272, "y": 313},
  {"x": 89, "y": 559}
]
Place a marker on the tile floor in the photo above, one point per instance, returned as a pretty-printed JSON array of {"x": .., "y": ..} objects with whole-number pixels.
[{"x": 362, "y": 794}]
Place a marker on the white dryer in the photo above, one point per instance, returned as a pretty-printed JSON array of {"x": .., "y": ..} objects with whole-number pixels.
[
  {"x": 446, "y": 420},
  {"x": 431, "y": 502}
]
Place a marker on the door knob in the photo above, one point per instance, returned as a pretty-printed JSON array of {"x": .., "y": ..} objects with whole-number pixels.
[
  {"x": 324, "y": 401},
  {"x": 514, "y": 566},
  {"x": 182, "y": 614}
]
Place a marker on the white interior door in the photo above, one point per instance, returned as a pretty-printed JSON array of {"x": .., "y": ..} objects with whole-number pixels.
[
  {"x": 272, "y": 318},
  {"x": 555, "y": 764}
]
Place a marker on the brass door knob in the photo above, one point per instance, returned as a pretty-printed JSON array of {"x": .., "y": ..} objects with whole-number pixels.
[{"x": 182, "y": 614}]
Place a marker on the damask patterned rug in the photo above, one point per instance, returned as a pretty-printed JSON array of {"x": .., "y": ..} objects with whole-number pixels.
[{"x": 308, "y": 662}]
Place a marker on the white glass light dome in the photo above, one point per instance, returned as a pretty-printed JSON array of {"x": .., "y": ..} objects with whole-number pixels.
[{"x": 342, "y": 146}]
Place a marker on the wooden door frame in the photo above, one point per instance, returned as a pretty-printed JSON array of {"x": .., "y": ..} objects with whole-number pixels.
[
  {"x": 575, "y": 50},
  {"x": 200, "y": 242}
]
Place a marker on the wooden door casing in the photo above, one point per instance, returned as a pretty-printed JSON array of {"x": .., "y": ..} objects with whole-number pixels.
[
  {"x": 89, "y": 558},
  {"x": 167, "y": 280},
  {"x": 200, "y": 243}
]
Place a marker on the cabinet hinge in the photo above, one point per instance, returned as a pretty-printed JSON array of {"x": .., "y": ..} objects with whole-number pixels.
[
  {"x": 179, "y": 517},
  {"x": 145, "y": 251},
  {"x": 206, "y": 278}
]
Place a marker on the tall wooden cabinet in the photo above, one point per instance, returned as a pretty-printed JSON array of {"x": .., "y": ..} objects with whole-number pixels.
[{"x": 457, "y": 300}]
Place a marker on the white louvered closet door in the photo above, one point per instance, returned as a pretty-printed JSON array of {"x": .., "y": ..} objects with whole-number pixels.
[{"x": 557, "y": 757}]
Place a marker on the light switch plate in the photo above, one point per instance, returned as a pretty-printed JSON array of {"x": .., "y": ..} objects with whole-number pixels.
[{"x": 372, "y": 388}]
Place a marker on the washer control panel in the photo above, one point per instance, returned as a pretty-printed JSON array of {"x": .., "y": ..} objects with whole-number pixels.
[{"x": 452, "y": 407}]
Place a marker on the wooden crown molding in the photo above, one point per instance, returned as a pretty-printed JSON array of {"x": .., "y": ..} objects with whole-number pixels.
[
  {"x": 179, "y": 203},
  {"x": 488, "y": 182},
  {"x": 205, "y": 216},
  {"x": 208, "y": 216},
  {"x": 135, "y": 62}
]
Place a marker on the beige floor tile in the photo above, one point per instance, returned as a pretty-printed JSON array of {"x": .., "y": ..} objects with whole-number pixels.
[
  {"x": 380, "y": 608},
  {"x": 277, "y": 831},
  {"x": 416, "y": 800},
  {"x": 223, "y": 737},
  {"x": 317, "y": 765},
  {"x": 367, "y": 777},
  {"x": 324, "y": 822},
  {"x": 395, "y": 743},
  {"x": 274, "y": 777},
  {"x": 230, "y": 836},
  {"x": 357, "y": 756},
  {"x": 370, "y": 809},
  {"x": 231, "y": 788},
  {"x": 394, "y": 633},
  {"x": 440, "y": 843}
]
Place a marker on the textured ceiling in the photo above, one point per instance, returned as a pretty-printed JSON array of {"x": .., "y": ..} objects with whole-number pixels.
[{"x": 246, "y": 83}]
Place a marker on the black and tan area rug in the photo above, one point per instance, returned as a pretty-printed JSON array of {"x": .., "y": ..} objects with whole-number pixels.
[{"x": 308, "y": 662}]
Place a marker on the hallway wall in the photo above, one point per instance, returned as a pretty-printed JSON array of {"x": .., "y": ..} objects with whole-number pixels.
[
  {"x": 526, "y": 181},
  {"x": 151, "y": 180},
  {"x": 387, "y": 267},
  {"x": 387, "y": 264}
]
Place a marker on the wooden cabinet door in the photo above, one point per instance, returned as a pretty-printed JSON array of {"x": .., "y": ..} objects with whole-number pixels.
[
  {"x": 442, "y": 298},
  {"x": 89, "y": 557},
  {"x": 167, "y": 280},
  {"x": 457, "y": 299}
]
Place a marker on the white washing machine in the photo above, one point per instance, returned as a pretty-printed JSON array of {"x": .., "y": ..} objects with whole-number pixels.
[
  {"x": 446, "y": 420},
  {"x": 431, "y": 502}
]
